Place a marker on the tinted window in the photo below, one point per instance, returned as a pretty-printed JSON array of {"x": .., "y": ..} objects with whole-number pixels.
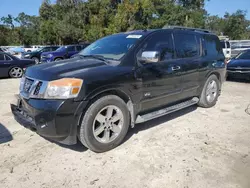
[
  {"x": 212, "y": 45},
  {"x": 71, "y": 48},
  {"x": 54, "y": 48},
  {"x": 78, "y": 48},
  {"x": 1, "y": 57},
  {"x": 161, "y": 42},
  {"x": 228, "y": 45},
  {"x": 46, "y": 50},
  {"x": 7, "y": 58},
  {"x": 186, "y": 45},
  {"x": 113, "y": 46},
  {"x": 223, "y": 44}
]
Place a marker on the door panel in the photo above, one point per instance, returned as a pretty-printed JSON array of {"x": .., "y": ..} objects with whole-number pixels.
[
  {"x": 161, "y": 84},
  {"x": 161, "y": 81},
  {"x": 4, "y": 66},
  {"x": 188, "y": 52}
]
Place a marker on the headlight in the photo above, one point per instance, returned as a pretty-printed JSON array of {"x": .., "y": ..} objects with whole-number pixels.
[
  {"x": 64, "y": 88},
  {"x": 49, "y": 56},
  {"x": 27, "y": 55}
]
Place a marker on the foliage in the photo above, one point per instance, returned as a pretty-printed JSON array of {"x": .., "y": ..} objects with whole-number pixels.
[{"x": 71, "y": 21}]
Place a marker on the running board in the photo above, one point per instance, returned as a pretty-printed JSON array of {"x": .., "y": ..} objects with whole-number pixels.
[{"x": 165, "y": 111}]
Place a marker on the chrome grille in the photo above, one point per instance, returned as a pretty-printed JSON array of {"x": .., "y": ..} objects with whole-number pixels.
[{"x": 32, "y": 88}]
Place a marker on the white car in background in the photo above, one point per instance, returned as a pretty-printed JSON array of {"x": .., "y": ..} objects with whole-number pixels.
[
  {"x": 31, "y": 48},
  {"x": 226, "y": 46}
]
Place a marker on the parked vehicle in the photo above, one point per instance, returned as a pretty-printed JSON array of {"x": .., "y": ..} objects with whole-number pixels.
[
  {"x": 239, "y": 66},
  {"x": 28, "y": 48},
  {"x": 239, "y": 46},
  {"x": 36, "y": 55},
  {"x": 118, "y": 81},
  {"x": 11, "y": 66},
  {"x": 64, "y": 52},
  {"x": 226, "y": 47}
]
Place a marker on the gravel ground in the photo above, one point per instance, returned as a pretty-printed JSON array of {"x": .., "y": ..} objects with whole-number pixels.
[{"x": 195, "y": 147}]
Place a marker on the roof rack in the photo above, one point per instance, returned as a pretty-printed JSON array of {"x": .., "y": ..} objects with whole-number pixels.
[{"x": 186, "y": 28}]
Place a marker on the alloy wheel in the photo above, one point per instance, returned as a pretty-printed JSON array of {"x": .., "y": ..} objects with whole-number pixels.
[{"x": 108, "y": 124}]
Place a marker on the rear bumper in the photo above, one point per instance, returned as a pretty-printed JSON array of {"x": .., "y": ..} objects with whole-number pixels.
[{"x": 55, "y": 120}]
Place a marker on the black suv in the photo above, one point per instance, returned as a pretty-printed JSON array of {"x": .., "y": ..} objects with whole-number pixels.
[
  {"x": 119, "y": 81},
  {"x": 36, "y": 55}
]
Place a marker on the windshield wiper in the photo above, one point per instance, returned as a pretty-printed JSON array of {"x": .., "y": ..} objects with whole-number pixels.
[{"x": 99, "y": 57}]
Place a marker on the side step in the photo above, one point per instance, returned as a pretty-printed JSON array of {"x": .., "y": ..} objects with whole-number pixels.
[{"x": 168, "y": 110}]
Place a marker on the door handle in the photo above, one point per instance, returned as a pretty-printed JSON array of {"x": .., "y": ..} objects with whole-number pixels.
[{"x": 175, "y": 68}]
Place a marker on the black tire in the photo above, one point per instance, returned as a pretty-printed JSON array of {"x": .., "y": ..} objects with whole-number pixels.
[
  {"x": 35, "y": 59},
  {"x": 203, "y": 102},
  {"x": 58, "y": 59},
  {"x": 86, "y": 135}
]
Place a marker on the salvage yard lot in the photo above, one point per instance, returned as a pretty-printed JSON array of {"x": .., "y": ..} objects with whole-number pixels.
[{"x": 191, "y": 148}]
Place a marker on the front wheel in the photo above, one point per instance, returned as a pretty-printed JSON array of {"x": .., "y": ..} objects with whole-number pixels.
[
  {"x": 210, "y": 92},
  {"x": 105, "y": 124},
  {"x": 36, "y": 60}
]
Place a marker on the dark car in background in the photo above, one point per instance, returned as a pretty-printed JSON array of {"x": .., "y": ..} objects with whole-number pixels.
[
  {"x": 36, "y": 55},
  {"x": 11, "y": 66},
  {"x": 239, "y": 66},
  {"x": 64, "y": 52}
]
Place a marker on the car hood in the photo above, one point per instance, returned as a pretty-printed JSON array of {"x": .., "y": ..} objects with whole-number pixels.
[
  {"x": 239, "y": 63},
  {"x": 67, "y": 68}
]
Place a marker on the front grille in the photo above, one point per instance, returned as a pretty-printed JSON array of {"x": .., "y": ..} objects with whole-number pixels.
[
  {"x": 239, "y": 69},
  {"x": 32, "y": 88},
  {"x": 38, "y": 87},
  {"x": 27, "y": 85}
]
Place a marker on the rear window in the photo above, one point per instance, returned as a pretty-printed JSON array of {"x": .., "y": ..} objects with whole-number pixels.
[
  {"x": 186, "y": 45},
  {"x": 213, "y": 45}
]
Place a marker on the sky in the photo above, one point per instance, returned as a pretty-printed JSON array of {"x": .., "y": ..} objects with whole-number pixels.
[{"x": 31, "y": 7}]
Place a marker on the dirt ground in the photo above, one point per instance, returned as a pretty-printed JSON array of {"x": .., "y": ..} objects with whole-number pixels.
[{"x": 195, "y": 147}]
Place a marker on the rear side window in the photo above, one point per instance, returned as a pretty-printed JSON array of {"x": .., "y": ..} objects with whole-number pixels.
[
  {"x": 161, "y": 42},
  {"x": 212, "y": 45},
  {"x": 78, "y": 48},
  {"x": 1, "y": 57},
  {"x": 223, "y": 44},
  {"x": 7, "y": 58},
  {"x": 186, "y": 45}
]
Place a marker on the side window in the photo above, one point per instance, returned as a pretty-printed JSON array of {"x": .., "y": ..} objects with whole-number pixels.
[
  {"x": 54, "y": 48},
  {"x": 186, "y": 45},
  {"x": 161, "y": 42},
  {"x": 2, "y": 57},
  {"x": 46, "y": 49},
  {"x": 8, "y": 58},
  {"x": 78, "y": 48},
  {"x": 71, "y": 48},
  {"x": 213, "y": 45}
]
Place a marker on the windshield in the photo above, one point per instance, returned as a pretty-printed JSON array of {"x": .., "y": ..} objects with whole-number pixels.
[
  {"x": 39, "y": 49},
  {"x": 62, "y": 48},
  {"x": 111, "y": 47},
  {"x": 243, "y": 55}
]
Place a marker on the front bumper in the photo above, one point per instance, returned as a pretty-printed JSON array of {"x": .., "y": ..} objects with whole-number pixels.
[
  {"x": 238, "y": 74},
  {"x": 46, "y": 60},
  {"x": 56, "y": 120}
]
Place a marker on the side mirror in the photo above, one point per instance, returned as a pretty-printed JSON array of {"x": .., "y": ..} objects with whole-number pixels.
[{"x": 150, "y": 57}]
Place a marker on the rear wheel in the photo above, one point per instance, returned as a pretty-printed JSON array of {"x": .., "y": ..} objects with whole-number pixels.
[
  {"x": 210, "y": 92},
  {"x": 16, "y": 72},
  {"x": 35, "y": 59},
  {"x": 105, "y": 124}
]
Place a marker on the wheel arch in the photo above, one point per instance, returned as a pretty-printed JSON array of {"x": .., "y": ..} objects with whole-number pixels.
[{"x": 118, "y": 92}]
